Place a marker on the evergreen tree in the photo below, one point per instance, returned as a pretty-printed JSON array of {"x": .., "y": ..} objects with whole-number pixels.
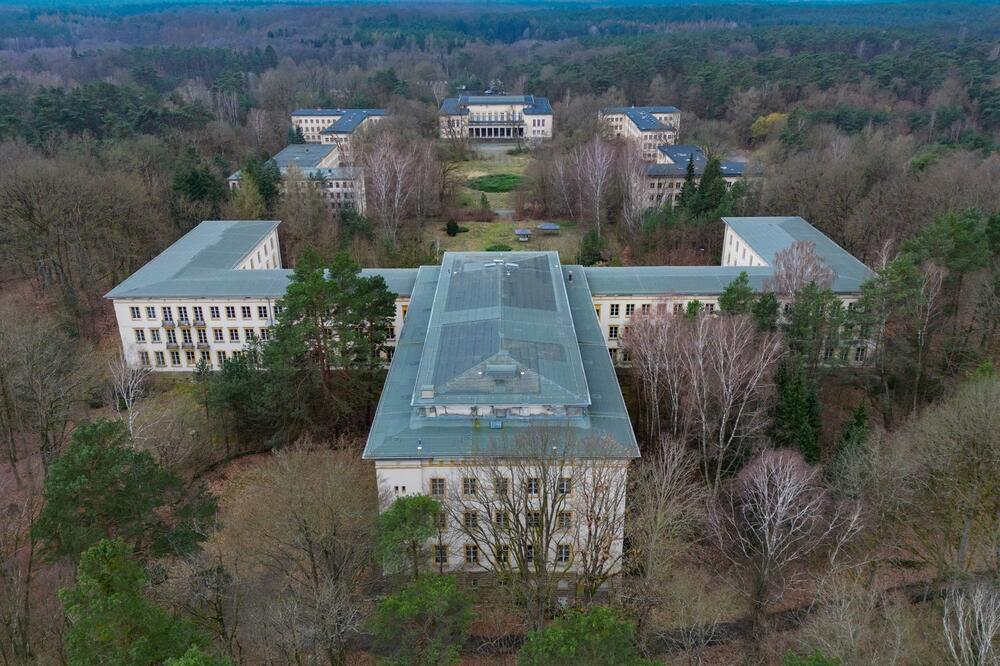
[
  {"x": 738, "y": 296},
  {"x": 195, "y": 657},
  {"x": 266, "y": 177},
  {"x": 815, "y": 320},
  {"x": 711, "y": 189},
  {"x": 295, "y": 135},
  {"x": 404, "y": 529},
  {"x": 797, "y": 418},
  {"x": 592, "y": 636},
  {"x": 111, "y": 620},
  {"x": 856, "y": 430},
  {"x": 101, "y": 487},
  {"x": 693, "y": 309},
  {"x": 765, "y": 311},
  {"x": 689, "y": 190},
  {"x": 425, "y": 623}
]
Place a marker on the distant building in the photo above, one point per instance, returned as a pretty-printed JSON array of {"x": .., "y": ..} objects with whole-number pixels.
[
  {"x": 649, "y": 126},
  {"x": 310, "y": 165},
  {"x": 336, "y": 127},
  {"x": 665, "y": 178},
  {"x": 496, "y": 118}
]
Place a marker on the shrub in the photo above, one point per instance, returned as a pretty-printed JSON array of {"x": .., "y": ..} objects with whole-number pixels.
[
  {"x": 499, "y": 247},
  {"x": 452, "y": 227},
  {"x": 498, "y": 182}
]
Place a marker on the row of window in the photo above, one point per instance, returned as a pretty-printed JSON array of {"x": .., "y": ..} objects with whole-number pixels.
[
  {"x": 614, "y": 310},
  {"x": 501, "y": 486},
  {"x": 564, "y": 554},
  {"x": 190, "y": 358},
  {"x": 214, "y": 312},
  {"x": 201, "y": 334},
  {"x": 470, "y": 519}
]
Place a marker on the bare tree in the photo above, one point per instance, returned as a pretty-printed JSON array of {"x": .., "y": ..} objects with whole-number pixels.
[
  {"x": 128, "y": 384},
  {"x": 310, "y": 549},
  {"x": 972, "y": 623},
  {"x": 595, "y": 162},
  {"x": 18, "y": 570},
  {"x": 632, "y": 174},
  {"x": 666, "y": 511},
  {"x": 928, "y": 309},
  {"x": 771, "y": 521},
  {"x": 389, "y": 170},
  {"x": 257, "y": 122},
  {"x": 796, "y": 266},
  {"x": 542, "y": 517}
]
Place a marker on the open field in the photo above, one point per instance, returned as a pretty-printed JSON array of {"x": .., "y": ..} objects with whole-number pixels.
[
  {"x": 498, "y": 163},
  {"x": 481, "y": 235}
]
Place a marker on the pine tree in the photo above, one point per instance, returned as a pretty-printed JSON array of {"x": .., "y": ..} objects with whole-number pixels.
[
  {"x": 711, "y": 189},
  {"x": 738, "y": 296},
  {"x": 689, "y": 191},
  {"x": 797, "y": 418}
]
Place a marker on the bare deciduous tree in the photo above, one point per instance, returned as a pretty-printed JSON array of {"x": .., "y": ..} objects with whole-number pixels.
[
  {"x": 128, "y": 383},
  {"x": 595, "y": 162},
  {"x": 972, "y": 623},
  {"x": 773, "y": 519},
  {"x": 389, "y": 173},
  {"x": 632, "y": 174},
  {"x": 796, "y": 266}
]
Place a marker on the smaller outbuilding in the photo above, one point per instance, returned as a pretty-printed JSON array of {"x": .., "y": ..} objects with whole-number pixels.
[
  {"x": 548, "y": 228},
  {"x": 523, "y": 235}
]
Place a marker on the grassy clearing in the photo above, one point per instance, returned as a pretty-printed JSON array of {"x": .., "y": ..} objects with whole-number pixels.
[
  {"x": 498, "y": 165},
  {"x": 500, "y": 182},
  {"x": 484, "y": 234}
]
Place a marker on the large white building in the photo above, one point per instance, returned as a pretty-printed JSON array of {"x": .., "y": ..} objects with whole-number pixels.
[
  {"x": 317, "y": 166},
  {"x": 490, "y": 350},
  {"x": 649, "y": 126},
  {"x": 336, "y": 127},
  {"x": 496, "y": 118}
]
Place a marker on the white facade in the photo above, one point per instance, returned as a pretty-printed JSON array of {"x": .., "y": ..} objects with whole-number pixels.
[
  {"x": 649, "y": 127},
  {"x": 496, "y": 118}
]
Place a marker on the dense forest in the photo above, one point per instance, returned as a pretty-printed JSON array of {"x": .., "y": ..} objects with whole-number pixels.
[{"x": 132, "y": 528}]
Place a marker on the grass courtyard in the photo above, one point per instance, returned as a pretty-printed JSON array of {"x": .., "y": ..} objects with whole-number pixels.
[
  {"x": 481, "y": 235},
  {"x": 495, "y": 164}
]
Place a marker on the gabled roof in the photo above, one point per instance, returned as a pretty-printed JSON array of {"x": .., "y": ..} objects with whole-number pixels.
[
  {"x": 351, "y": 119},
  {"x": 500, "y": 332},
  {"x": 305, "y": 157},
  {"x": 458, "y": 106},
  {"x": 679, "y": 156},
  {"x": 202, "y": 264},
  {"x": 647, "y": 109},
  {"x": 642, "y": 116}
]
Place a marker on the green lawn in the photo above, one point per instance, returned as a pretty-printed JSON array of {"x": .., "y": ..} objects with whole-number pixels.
[
  {"x": 483, "y": 234},
  {"x": 510, "y": 165}
]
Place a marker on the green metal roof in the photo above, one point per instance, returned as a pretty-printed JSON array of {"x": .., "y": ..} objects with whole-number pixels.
[
  {"x": 602, "y": 428},
  {"x": 201, "y": 264},
  {"x": 500, "y": 333}
]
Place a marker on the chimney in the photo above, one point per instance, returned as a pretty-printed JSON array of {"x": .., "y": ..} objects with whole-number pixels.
[{"x": 569, "y": 276}]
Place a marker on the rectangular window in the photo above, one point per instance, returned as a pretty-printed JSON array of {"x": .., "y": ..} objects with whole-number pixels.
[
  {"x": 140, "y": 335},
  {"x": 230, "y": 312},
  {"x": 533, "y": 519},
  {"x": 644, "y": 309},
  {"x": 529, "y": 553},
  {"x": 262, "y": 311},
  {"x": 678, "y": 308},
  {"x": 160, "y": 360},
  {"x": 214, "y": 311},
  {"x": 469, "y": 486},
  {"x": 532, "y": 486},
  {"x": 222, "y": 358},
  {"x": 134, "y": 311},
  {"x": 614, "y": 309},
  {"x": 144, "y": 358},
  {"x": 503, "y": 554},
  {"x": 218, "y": 335},
  {"x": 709, "y": 308},
  {"x": 206, "y": 357},
  {"x": 186, "y": 336},
  {"x": 565, "y": 485},
  {"x": 562, "y": 553},
  {"x": 629, "y": 309},
  {"x": 441, "y": 520},
  {"x": 189, "y": 357},
  {"x": 597, "y": 309},
  {"x": 470, "y": 519},
  {"x": 501, "y": 485},
  {"x": 437, "y": 487},
  {"x": 612, "y": 332},
  {"x": 234, "y": 335},
  {"x": 175, "y": 358},
  {"x": 168, "y": 313},
  {"x": 171, "y": 337},
  {"x": 859, "y": 354},
  {"x": 199, "y": 313},
  {"x": 565, "y": 520},
  {"x": 249, "y": 334},
  {"x": 182, "y": 313},
  {"x": 202, "y": 336},
  {"x": 150, "y": 312},
  {"x": 441, "y": 554},
  {"x": 472, "y": 554},
  {"x": 245, "y": 311},
  {"x": 154, "y": 334},
  {"x": 500, "y": 518},
  {"x": 265, "y": 334}
]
